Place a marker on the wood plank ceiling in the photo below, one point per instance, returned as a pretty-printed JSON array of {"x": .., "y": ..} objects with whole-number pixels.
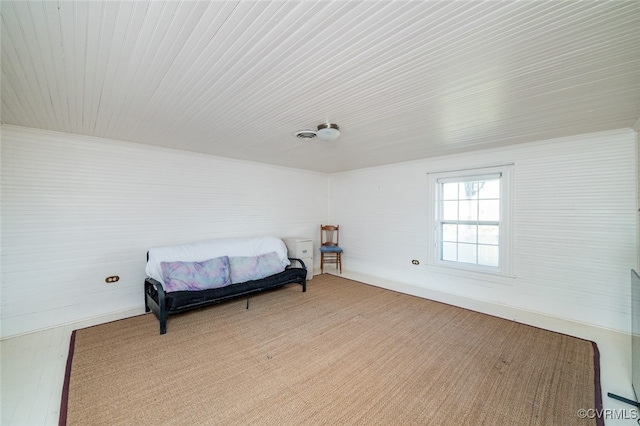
[{"x": 404, "y": 80}]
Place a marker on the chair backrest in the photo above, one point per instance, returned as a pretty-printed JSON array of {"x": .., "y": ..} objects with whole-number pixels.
[{"x": 329, "y": 235}]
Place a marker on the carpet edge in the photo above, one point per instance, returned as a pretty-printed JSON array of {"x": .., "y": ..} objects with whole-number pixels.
[
  {"x": 597, "y": 385},
  {"x": 67, "y": 378}
]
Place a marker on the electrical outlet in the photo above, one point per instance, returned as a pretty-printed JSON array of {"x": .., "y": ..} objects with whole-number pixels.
[
  {"x": 415, "y": 262},
  {"x": 112, "y": 279}
]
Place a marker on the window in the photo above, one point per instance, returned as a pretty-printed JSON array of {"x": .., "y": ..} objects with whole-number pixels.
[{"x": 472, "y": 220}]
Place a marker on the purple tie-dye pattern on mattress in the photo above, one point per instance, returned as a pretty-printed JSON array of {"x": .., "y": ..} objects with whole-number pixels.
[
  {"x": 183, "y": 276},
  {"x": 245, "y": 269}
]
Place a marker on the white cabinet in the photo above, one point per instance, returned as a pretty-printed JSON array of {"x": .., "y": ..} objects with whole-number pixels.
[{"x": 301, "y": 248}]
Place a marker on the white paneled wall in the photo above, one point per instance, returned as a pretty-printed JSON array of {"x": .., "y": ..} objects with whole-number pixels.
[
  {"x": 636, "y": 128},
  {"x": 77, "y": 209},
  {"x": 575, "y": 231}
]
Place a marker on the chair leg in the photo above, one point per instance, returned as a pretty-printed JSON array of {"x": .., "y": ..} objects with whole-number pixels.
[{"x": 333, "y": 258}]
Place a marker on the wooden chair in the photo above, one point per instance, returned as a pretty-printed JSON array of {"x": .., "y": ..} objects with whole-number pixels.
[{"x": 330, "y": 251}]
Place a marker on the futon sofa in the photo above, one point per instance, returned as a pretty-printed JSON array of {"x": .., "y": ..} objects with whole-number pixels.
[{"x": 189, "y": 276}]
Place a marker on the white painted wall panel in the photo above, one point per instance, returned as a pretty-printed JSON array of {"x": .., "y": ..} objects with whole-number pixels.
[
  {"x": 575, "y": 231},
  {"x": 77, "y": 209},
  {"x": 636, "y": 128}
]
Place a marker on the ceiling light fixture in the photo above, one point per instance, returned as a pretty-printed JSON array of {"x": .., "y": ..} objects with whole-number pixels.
[{"x": 328, "y": 131}]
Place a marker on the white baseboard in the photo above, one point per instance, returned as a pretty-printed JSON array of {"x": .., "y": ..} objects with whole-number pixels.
[
  {"x": 536, "y": 319},
  {"x": 87, "y": 322}
]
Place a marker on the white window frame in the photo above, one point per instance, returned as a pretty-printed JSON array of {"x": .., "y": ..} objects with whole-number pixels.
[{"x": 505, "y": 267}]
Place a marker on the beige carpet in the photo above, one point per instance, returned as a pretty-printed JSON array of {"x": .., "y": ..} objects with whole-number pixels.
[{"x": 341, "y": 353}]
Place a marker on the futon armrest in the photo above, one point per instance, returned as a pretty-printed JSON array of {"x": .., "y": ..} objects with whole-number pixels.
[
  {"x": 155, "y": 301},
  {"x": 148, "y": 281},
  {"x": 294, "y": 259}
]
